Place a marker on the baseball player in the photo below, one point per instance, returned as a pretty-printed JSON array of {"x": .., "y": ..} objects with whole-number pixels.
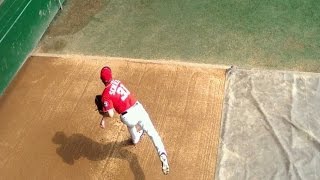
[{"x": 117, "y": 97}]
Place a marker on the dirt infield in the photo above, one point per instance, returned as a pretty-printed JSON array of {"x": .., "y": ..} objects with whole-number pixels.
[{"x": 49, "y": 128}]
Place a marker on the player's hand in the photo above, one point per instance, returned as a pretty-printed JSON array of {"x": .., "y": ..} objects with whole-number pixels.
[{"x": 102, "y": 123}]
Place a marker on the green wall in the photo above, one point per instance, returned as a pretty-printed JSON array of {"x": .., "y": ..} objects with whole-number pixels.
[{"x": 22, "y": 23}]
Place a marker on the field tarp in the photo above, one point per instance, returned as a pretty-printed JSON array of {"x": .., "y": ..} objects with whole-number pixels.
[{"x": 270, "y": 126}]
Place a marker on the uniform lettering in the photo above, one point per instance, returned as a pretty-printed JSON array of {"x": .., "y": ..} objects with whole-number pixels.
[
  {"x": 121, "y": 90},
  {"x": 113, "y": 88}
]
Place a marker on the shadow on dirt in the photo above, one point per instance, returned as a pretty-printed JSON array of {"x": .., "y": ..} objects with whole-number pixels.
[{"x": 77, "y": 145}]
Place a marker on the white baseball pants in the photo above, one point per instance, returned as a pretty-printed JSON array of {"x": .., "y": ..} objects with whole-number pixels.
[{"x": 137, "y": 115}]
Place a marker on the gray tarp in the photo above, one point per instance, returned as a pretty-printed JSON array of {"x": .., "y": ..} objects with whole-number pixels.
[{"x": 270, "y": 126}]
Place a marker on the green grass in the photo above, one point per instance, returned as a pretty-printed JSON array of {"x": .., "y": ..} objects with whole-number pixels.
[{"x": 280, "y": 34}]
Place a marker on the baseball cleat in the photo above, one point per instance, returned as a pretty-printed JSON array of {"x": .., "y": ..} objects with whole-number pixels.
[
  {"x": 135, "y": 141},
  {"x": 165, "y": 164}
]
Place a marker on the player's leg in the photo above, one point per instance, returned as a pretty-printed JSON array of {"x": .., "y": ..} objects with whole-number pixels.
[
  {"x": 145, "y": 123},
  {"x": 148, "y": 127},
  {"x": 130, "y": 121},
  {"x": 135, "y": 135}
]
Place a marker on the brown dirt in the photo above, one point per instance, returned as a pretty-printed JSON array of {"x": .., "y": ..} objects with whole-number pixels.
[{"x": 49, "y": 128}]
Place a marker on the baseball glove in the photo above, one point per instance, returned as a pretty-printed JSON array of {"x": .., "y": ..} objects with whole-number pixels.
[{"x": 99, "y": 104}]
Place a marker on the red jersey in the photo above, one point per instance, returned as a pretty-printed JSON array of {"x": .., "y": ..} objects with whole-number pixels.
[{"x": 117, "y": 96}]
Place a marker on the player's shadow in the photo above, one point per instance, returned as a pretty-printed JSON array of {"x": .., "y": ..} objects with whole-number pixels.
[{"x": 77, "y": 145}]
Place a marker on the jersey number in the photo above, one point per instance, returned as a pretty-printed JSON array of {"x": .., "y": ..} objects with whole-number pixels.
[{"x": 123, "y": 92}]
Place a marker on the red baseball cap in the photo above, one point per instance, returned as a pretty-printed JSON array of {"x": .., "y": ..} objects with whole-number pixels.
[{"x": 106, "y": 74}]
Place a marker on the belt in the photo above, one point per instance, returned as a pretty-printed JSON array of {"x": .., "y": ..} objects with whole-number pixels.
[{"x": 125, "y": 112}]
